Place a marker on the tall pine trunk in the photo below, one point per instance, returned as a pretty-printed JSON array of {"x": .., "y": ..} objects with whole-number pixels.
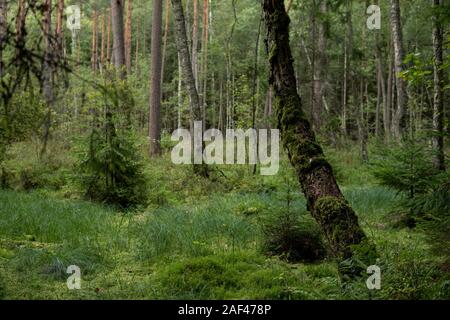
[
  {"x": 155, "y": 97},
  {"x": 118, "y": 37},
  {"x": 166, "y": 35},
  {"x": 128, "y": 33},
  {"x": 324, "y": 198}
]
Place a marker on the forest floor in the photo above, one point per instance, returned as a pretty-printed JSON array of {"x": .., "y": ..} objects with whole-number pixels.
[{"x": 202, "y": 239}]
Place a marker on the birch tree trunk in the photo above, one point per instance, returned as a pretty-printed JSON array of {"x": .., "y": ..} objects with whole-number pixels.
[
  {"x": 188, "y": 76},
  {"x": 195, "y": 44},
  {"x": 389, "y": 99},
  {"x": 399, "y": 55},
  {"x": 319, "y": 73},
  {"x": 438, "y": 103}
]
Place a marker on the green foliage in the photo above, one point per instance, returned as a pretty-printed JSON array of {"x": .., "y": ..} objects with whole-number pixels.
[
  {"x": 26, "y": 170},
  {"x": 294, "y": 240},
  {"x": 406, "y": 168},
  {"x": 289, "y": 236},
  {"x": 209, "y": 229},
  {"x": 111, "y": 171},
  {"x": 110, "y": 166},
  {"x": 34, "y": 216}
]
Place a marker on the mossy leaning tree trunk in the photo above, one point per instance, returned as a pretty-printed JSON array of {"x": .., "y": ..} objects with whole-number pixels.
[{"x": 325, "y": 201}]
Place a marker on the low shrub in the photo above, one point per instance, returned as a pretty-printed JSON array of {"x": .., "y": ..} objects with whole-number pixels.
[{"x": 293, "y": 240}]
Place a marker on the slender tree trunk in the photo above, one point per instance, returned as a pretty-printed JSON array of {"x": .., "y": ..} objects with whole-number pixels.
[
  {"x": 48, "y": 70},
  {"x": 59, "y": 36},
  {"x": 195, "y": 44},
  {"x": 94, "y": 49},
  {"x": 362, "y": 129},
  {"x": 320, "y": 59},
  {"x": 108, "y": 38},
  {"x": 103, "y": 44},
  {"x": 204, "y": 67},
  {"x": 324, "y": 198},
  {"x": 380, "y": 87},
  {"x": 221, "y": 109},
  {"x": 389, "y": 101},
  {"x": 3, "y": 32},
  {"x": 180, "y": 95},
  {"x": 128, "y": 33},
  {"x": 136, "y": 49},
  {"x": 402, "y": 98},
  {"x": 348, "y": 48},
  {"x": 155, "y": 98},
  {"x": 166, "y": 34},
  {"x": 188, "y": 75},
  {"x": 255, "y": 80},
  {"x": 438, "y": 104},
  {"x": 20, "y": 28},
  {"x": 118, "y": 36}
]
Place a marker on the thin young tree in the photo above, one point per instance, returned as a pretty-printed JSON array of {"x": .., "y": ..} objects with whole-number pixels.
[
  {"x": 48, "y": 70},
  {"x": 320, "y": 59},
  {"x": 103, "y": 43},
  {"x": 204, "y": 65},
  {"x": 94, "y": 49},
  {"x": 108, "y": 37},
  {"x": 128, "y": 35},
  {"x": 399, "y": 56},
  {"x": 324, "y": 198},
  {"x": 195, "y": 44},
  {"x": 188, "y": 76},
  {"x": 155, "y": 97},
  {"x": 3, "y": 32},
  {"x": 438, "y": 103}
]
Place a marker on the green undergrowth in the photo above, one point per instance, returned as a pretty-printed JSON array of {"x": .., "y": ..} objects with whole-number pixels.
[{"x": 202, "y": 239}]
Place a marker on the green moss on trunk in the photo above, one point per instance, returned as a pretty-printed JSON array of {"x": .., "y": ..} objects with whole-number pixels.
[{"x": 325, "y": 200}]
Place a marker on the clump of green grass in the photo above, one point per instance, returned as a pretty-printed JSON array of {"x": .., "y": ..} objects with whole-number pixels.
[
  {"x": 39, "y": 218},
  {"x": 194, "y": 231}
]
